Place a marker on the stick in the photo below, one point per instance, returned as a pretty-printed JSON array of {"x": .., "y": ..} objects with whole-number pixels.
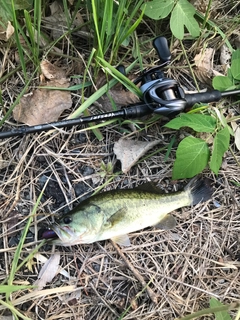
[{"x": 140, "y": 278}]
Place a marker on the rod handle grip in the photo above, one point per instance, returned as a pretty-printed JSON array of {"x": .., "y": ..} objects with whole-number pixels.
[{"x": 203, "y": 97}]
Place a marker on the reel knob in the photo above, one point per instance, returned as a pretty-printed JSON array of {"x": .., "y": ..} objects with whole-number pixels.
[{"x": 161, "y": 46}]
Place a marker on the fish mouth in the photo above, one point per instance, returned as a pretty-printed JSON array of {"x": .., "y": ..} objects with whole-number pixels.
[
  {"x": 47, "y": 234},
  {"x": 55, "y": 232},
  {"x": 63, "y": 235}
]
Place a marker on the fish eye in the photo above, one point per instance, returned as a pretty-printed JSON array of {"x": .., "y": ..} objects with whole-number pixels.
[{"x": 67, "y": 220}]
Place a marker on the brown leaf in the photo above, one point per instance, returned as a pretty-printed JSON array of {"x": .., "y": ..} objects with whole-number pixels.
[
  {"x": 117, "y": 93},
  {"x": 48, "y": 271},
  {"x": 58, "y": 17},
  {"x": 120, "y": 97},
  {"x": 204, "y": 64},
  {"x": 204, "y": 59},
  {"x": 56, "y": 75},
  {"x": 6, "y": 33},
  {"x": 130, "y": 151},
  {"x": 225, "y": 55},
  {"x": 45, "y": 105}
]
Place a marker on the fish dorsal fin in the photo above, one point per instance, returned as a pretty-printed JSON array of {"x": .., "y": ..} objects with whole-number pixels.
[
  {"x": 122, "y": 240},
  {"x": 116, "y": 217},
  {"x": 167, "y": 223},
  {"x": 149, "y": 187}
]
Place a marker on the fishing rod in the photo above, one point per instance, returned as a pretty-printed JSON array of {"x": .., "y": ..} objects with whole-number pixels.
[{"x": 161, "y": 95}]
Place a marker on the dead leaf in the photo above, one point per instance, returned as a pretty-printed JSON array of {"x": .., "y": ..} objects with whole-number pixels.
[
  {"x": 42, "y": 259},
  {"x": 48, "y": 271},
  {"x": 205, "y": 70},
  {"x": 225, "y": 56},
  {"x": 54, "y": 73},
  {"x": 120, "y": 97},
  {"x": 130, "y": 151},
  {"x": 6, "y": 33},
  {"x": 204, "y": 59},
  {"x": 58, "y": 17},
  {"x": 116, "y": 94},
  {"x": 204, "y": 65},
  {"x": 236, "y": 130},
  {"x": 45, "y": 105}
]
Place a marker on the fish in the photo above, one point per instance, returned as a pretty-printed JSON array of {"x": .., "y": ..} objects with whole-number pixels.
[{"x": 114, "y": 214}]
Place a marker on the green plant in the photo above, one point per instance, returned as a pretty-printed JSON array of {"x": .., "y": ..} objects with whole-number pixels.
[
  {"x": 193, "y": 154},
  {"x": 221, "y": 311},
  {"x": 34, "y": 30},
  {"x": 106, "y": 169},
  {"x": 113, "y": 22},
  {"x": 9, "y": 288},
  {"x": 6, "y": 13},
  {"x": 182, "y": 15},
  {"x": 220, "y": 315},
  {"x": 232, "y": 80}
]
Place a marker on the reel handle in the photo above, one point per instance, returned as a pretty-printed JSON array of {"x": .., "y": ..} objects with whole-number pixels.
[{"x": 161, "y": 46}]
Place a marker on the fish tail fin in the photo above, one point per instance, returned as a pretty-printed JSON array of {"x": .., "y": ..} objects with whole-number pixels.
[{"x": 199, "y": 189}]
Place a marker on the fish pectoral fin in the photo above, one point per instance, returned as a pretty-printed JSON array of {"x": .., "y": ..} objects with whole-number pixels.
[
  {"x": 115, "y": 218},
  {"x": 122, "y": 240},
  {"x": 167, "y": 223}
]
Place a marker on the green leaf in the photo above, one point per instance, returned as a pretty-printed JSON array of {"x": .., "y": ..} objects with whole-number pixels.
[
  {"x": 183, "y": 15},
  {"x": 198, "y": 122},
  {"x": 158, "y": 9},
  {"x": 220, "y": 145},
  {"x": 20, "y": 4},
  {"x": 6, "y": 8},
  {"x": 221, "y": 83},
  {"x": 191, "y": 158},
  {"x": 220, "y": 315},
  {"x": 12, "y": 288},
  {"x": 235, "y": 65}
]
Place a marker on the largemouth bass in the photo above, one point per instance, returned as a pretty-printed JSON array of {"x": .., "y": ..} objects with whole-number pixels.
[{"x": 114, "y": 214}]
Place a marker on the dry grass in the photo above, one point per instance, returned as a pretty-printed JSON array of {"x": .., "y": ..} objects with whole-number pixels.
[
  {"x": 182, "y": 268},
  {"x": 163, "y": 275}
]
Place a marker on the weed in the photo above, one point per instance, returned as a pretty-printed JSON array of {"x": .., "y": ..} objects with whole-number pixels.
[
  {"x": 182, "y": 15},
  {"x": 220, "y": 311},
  {"x": 10, "y": 287},
  {"x": 113, "y": 24},
  {"x": 106, "y": 169},
  {"x": 232, "y": 80},
  {"x": 194, "y": 154}
]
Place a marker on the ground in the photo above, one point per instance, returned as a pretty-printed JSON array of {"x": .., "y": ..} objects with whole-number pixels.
[{"x": 163, "y": 274}]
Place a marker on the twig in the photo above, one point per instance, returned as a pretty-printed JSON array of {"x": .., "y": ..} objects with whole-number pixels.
[
  {"x": 150, "y": 292},
  {"x": 103, "y": 300}
]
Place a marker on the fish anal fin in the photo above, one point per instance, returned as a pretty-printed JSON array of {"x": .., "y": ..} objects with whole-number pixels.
[
  {"x": 167, "y": 223},
  {"x": 122, "y": 240}
]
